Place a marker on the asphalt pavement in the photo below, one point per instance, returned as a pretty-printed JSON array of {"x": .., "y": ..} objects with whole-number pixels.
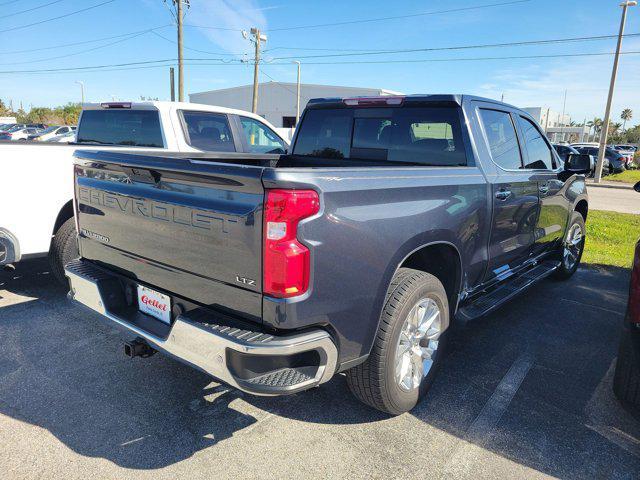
[{"x": 523, "y": 393}]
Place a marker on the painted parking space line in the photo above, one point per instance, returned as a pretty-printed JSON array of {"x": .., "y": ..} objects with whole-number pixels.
[{"x": 459, "y": 463}]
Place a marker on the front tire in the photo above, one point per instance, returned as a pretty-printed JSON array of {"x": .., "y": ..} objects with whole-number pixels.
[
  {"x": 408, "y": 346},
  {"x": 572, "y": 247},
  {"x": 64, "y": 248}
]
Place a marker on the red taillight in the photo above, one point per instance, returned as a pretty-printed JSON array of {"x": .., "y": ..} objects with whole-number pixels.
[
  {"x": 286, "y": 260},
  {"x": 634, "y": 290}
]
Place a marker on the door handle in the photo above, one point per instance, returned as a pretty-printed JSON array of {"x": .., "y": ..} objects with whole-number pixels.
[{"x": 503, "y": 194}]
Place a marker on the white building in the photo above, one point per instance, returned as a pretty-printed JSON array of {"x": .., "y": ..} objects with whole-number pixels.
[
  {"x": 277, "y": 100},
  {"x": 548, "y": 118},
  {"x": 557, "y": 126}
]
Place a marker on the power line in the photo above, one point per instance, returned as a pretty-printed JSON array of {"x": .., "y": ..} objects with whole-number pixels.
[
  {"x": 55, "y": 18},
  {"x": 397, "y": 17},
  {"x": 206, "y": 27},
  {"x": 372, "y": 50},
  {"x": 30, "y": 9},
  {"x": 84, "y": 42},
  {"x": 80, "y": 52},
  {"x": 513, "y": 57},
  {"x": 226, "y": 62},
  {"x": 277, "y": 82},
  {"x": 461, "y": 47},
  {"x": 195, "y": 49}
]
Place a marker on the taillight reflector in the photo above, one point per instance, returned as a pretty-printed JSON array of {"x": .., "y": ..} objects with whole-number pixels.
[{"x": 286, "y": 260}]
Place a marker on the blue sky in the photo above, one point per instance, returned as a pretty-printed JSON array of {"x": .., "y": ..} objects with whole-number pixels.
[{"x": 524, "y": 82}]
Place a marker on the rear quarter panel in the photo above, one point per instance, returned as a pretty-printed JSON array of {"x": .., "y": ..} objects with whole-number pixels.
[{"x": 371, "y": 219}]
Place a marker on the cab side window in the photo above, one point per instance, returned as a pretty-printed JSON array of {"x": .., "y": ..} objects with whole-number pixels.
[
  {"x": 501, "y": 135},
  {"x": 538, "y": 151},
  {"x": 208, "y": 131},
  {"x": 260, "y": 138}
]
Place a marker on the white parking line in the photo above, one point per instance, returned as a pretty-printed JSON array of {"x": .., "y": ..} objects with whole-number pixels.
[{"x": 460, "y": 461}]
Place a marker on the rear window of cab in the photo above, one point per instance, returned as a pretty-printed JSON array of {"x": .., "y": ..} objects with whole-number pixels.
[
  {"x": 418, "y": 135},
  {"x": 134, "y": 128}
]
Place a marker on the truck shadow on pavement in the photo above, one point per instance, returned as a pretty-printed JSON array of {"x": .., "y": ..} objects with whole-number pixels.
[{"x": 530, "y": 384}]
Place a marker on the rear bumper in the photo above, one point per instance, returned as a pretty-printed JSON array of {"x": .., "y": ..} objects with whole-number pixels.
[{"x": 255, "y": 362}]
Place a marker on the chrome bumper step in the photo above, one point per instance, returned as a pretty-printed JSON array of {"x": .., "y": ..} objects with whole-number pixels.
[{"x": 240, "y": 357}]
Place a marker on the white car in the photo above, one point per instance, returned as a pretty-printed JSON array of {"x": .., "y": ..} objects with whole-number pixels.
[
  {"x": 39, "y": 219},
  {"x": 18, "y": 134},
  {"x": 67, "y": 137},
  {"x": 51, "y": 132}
]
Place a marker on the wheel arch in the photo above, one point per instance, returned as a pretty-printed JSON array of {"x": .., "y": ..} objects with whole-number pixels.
[
  {"x": 65, "y": 213},
  {"x": 582, "y": 207}
]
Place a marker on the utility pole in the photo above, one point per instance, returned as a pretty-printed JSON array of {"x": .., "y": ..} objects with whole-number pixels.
[
  {"x": 180, "y": 56},
  {"x": 257, "y": 38},
  {"x": 298, "y": 95},
  {"x": 607, "y": 113},
  {"x": 172, "y": 83}
]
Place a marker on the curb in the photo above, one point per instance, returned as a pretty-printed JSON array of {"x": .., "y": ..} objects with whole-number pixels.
[{"x": 609, "y": 185}]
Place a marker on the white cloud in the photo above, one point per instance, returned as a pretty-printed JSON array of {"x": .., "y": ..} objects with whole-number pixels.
[
  {"x": 236, "y": 15},
  {"x": 586, "y": 80}
]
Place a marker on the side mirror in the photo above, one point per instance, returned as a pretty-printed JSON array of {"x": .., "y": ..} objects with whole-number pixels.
[
  {"x": 636, "y": 187},
  {"x": 578, "y": 163}
]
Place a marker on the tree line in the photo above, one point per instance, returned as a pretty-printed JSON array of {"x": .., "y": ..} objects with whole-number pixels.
[{"x": 63, "y": 115}]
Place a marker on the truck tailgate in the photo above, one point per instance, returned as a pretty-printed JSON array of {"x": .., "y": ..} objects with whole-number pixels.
[{"x": 189, "y": 227}]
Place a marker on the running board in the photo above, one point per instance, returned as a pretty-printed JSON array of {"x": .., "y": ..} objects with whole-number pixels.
[{"x": 488, "y": 302}]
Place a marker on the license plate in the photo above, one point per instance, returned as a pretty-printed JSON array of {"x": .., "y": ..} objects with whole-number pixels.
[{"x": 154, "y": 303}]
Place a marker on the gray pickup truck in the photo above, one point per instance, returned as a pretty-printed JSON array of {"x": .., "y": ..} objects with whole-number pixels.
[{"x": 389, "y": 218}]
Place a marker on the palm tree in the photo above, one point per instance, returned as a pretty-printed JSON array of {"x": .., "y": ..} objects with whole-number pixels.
[
  {"x": 614, "y": 128},
  {"x": 595, "y": 124},
  {"x": 627, "y": 114}
]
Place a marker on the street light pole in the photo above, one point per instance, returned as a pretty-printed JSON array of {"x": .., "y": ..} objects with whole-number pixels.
[
  {"x": 614, "y": 73},
  {"x": 81, "y": 91},
  {"x": 298, "y": 94}
]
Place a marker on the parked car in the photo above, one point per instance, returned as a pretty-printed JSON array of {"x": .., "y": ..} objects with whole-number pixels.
[
  {"x": 21, "y": 134},
  {"x": 626, "y": 380},
  {"x": 615, "y": 163},
  {"x": 47, "y": 227},
  {"x": 51, "y": 132},
  {"x": 627, "y": 152},
  {"x": 68, "y": 137},
  {"x": 12, "y": 126},
  {"x": 564, "y": 150},
  {"x": 39, "y": 126},
  {"x": 352, "y": 254},
  {"x": 627, "y": 148}
]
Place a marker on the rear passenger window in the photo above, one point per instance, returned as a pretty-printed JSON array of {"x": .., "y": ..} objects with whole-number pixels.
[
  {"x": 501, "y": 135},
  {"x": 208, "y": 131},
  {"x": 538, "y": 152}
]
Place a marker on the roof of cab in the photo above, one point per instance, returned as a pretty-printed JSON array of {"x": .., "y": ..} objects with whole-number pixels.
[
  {"x": 165, "y": 105},
  {"x": 416, "y": 99}
]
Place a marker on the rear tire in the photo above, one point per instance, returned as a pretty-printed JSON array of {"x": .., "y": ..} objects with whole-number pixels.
[
  {"x": 64, "y": 248},
  {"x": 404, "y": 360},
  {"x": 626, "y": 380},
  {"x": 571, "y": 253}
]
